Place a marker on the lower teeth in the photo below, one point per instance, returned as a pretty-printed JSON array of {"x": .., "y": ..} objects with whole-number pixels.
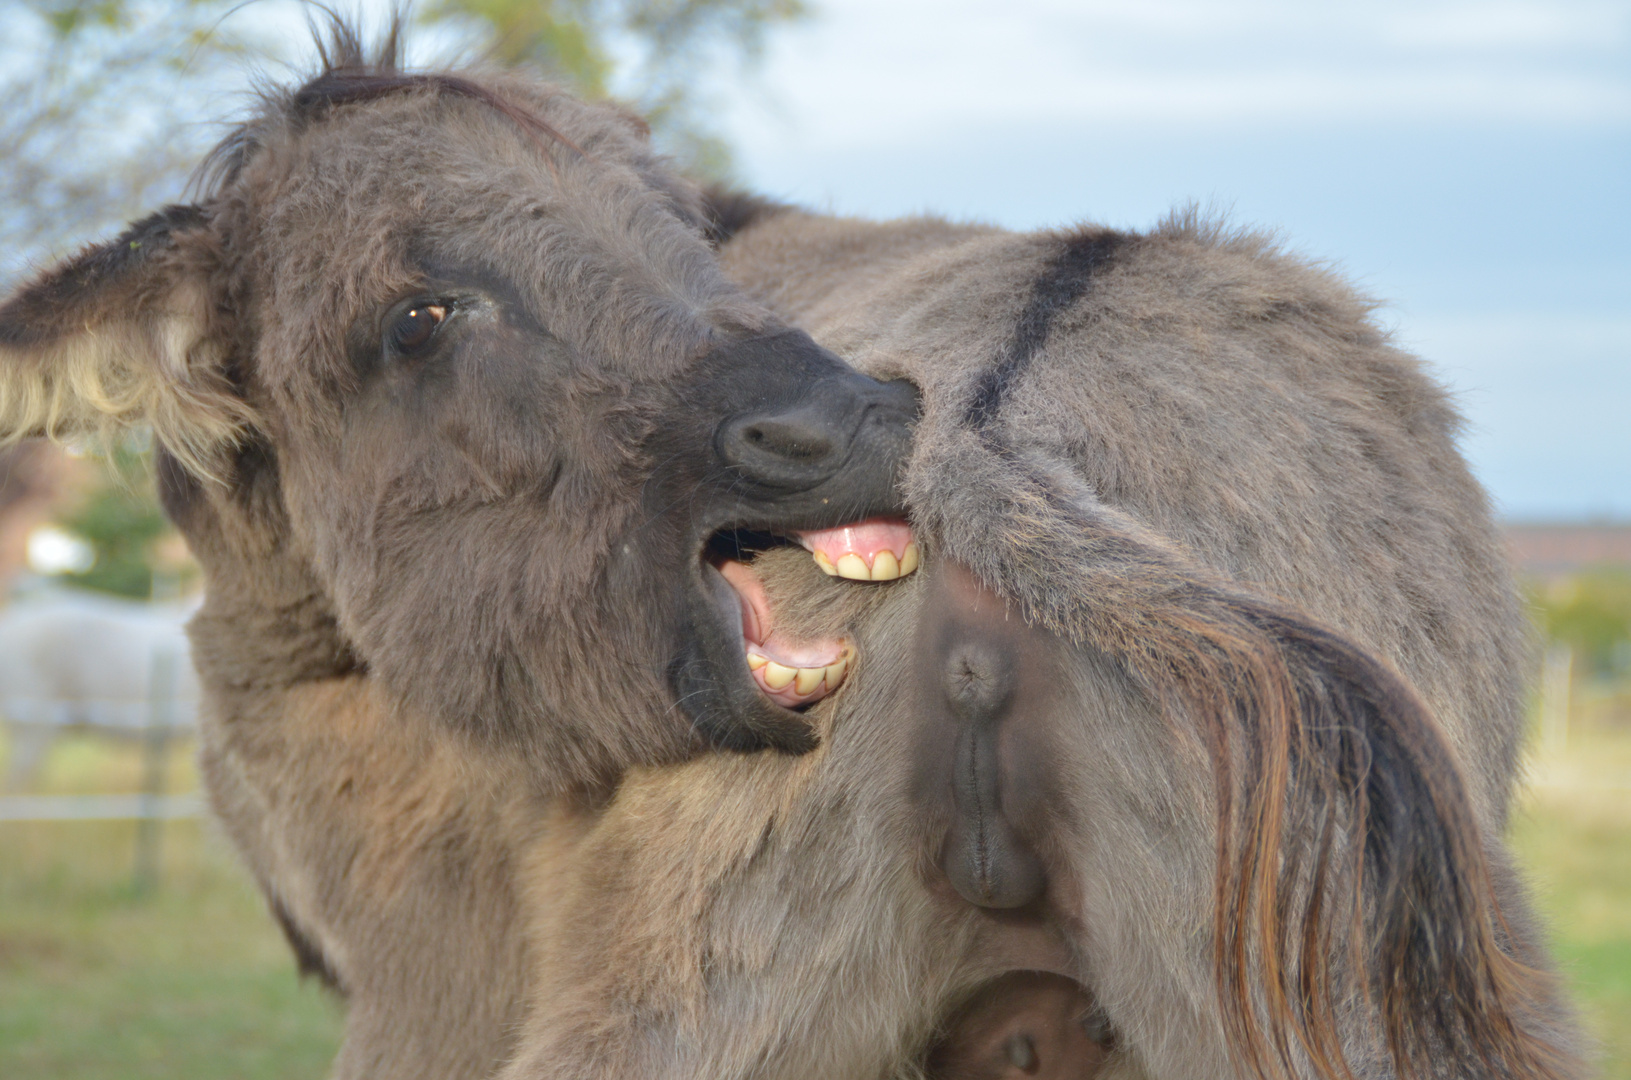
[{"x": 804, "y": 681}]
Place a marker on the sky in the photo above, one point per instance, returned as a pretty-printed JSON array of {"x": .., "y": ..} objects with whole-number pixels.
[{"x": 1468, "y": 164}]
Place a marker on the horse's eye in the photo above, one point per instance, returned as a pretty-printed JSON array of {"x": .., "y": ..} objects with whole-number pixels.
[{"x": 415, "y": 327}]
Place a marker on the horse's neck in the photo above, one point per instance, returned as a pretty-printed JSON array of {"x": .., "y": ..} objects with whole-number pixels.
[
  {"x": 798, "y": 262},
  {"x": 266, "y": 623}
]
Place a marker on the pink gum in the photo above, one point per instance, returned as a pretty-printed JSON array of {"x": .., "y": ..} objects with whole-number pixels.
[{"x": 864, "y": 538}]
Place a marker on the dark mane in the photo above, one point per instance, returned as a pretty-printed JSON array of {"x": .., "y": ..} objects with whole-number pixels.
[
  {"x": 336, "y": 89},
  {"x": 729, "y": 211}
]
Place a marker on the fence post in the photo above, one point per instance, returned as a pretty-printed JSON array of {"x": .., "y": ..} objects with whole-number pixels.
[
  {"x": 1556, "y": 677},
  {"x": 161, "y": 694}
]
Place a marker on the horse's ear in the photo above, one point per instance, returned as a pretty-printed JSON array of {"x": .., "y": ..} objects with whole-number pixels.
[{"x": 118, "y": 336}]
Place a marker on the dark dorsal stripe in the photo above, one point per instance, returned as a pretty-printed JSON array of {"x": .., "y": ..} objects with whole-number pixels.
[{"x": 1064, "y": 281}]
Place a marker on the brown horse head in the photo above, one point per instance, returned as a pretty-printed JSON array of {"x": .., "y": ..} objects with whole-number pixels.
[{"x": 459, "y": 343}]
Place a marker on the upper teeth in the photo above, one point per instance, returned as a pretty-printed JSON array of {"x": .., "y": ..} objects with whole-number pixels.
[{"x": 885, "y": 567}]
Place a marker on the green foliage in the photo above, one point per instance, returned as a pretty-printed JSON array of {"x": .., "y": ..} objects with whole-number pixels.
[
  {"x": 121, "y": 519},
  {"x": 552, "y": 37},
  {"x": 657, "y": 54},
  {"x": 66, "y": 18},
  {"x": 1591, "y": 613}
]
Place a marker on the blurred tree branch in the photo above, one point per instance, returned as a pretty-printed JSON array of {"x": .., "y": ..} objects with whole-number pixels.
[
  {"x": 104, "y": 103},
  {"x": 100, "y": 114},
  {"x": 657, "y": 55}
]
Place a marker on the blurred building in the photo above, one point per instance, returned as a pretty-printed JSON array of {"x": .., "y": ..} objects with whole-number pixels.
[
  {"x": 1549, "y": 551},
  {"x": 32, "y": 478}
]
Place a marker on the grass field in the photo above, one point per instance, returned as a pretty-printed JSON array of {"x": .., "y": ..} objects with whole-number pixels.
[
  {"x": 192, "y": 980},
  {"x": 1573, "y": 833},
  {"x": 189, "y": 980}
]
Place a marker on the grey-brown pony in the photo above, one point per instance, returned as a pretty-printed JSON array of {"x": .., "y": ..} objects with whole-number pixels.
[
  {"x": 461, "y": 346},
  {"x": 1151, "y": 742},
  {"x": 451, "y": 393}
]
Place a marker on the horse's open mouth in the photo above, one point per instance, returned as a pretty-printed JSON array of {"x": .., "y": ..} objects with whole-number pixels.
[{"x": 793, "y": 672}]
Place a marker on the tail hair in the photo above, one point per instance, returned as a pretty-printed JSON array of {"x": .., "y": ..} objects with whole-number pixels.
[{"x": 1350, "y": 868}]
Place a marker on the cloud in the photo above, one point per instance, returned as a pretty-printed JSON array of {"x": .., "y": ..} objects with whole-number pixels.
[
  {"x": 1510, "y": 27},
  {"x": 865, "y": 72}
]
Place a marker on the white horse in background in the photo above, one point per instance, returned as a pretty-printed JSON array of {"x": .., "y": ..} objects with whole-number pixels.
[{"x": 78, "y": 661}]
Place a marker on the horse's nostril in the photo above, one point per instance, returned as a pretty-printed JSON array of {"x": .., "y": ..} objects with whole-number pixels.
[
  {"x": 838, "y": 421},
  {"x": 768, "y": 446},
  {"x": 791, "y": 439}
]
